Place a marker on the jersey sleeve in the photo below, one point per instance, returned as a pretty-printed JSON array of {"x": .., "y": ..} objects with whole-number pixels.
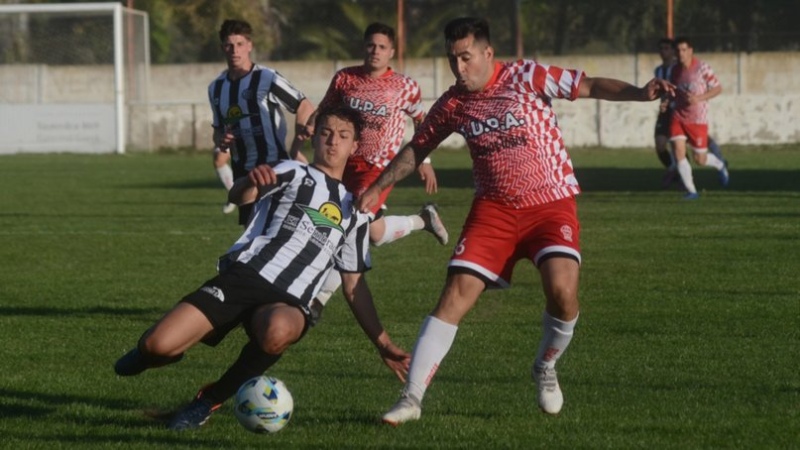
[
  {"x": 413, "y": 96},
  {"x": 333, "y": 96},
  {"x": 281, "y": 91},
  {"x": 354, "y": 255},
  {"x": 709, "y": 77},
  {"x": 216, "y": 119},
  {"x": 437, "y": 124},
  {"x": 549, "y": 81},
  {"x": 287, "y": 171}
]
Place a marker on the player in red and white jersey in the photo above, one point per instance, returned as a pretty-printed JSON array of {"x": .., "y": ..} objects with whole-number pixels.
[
  {"x": 695, "y": 84},
  {"x": 246, "y": 102},
  {"x": 384, "y": 98},
  {"x": 524, "y": 205}
]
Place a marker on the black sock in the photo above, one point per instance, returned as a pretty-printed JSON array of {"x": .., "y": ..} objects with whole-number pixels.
[
  {"x": 252, "y": 362},
  {"x": 664, "y": 158}
]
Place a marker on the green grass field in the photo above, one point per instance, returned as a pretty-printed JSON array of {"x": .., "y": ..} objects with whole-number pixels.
[{"x": 689, "y": 334}]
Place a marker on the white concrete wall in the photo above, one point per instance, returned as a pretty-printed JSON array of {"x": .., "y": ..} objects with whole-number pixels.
[{"x": 760, "y": 103}]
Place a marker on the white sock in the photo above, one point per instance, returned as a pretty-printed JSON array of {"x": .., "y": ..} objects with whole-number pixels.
[
  {"x": 225, "y": 175},
  {"x": 329, "y": 286},
  {"x": 685, "y": 171},
  {"x": 713, "y": 161},
  {"x": 434, "y": 341},
  {"x": 398, "y": 227},
  {"x": 556, "y": 337}
]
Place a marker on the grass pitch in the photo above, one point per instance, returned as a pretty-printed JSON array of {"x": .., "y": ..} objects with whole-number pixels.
[{"x": 689, "y": 335}]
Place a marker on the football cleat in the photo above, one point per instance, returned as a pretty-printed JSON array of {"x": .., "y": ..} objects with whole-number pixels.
[
  {"x": 433, "y": 223},
  {"x": 194, "y": 415},
  {"x": 405, "y": 410},
  {"x": 691, "y": 196},
  {"x": 550, "y": 397},
  {"x": 724, "y": 176}
]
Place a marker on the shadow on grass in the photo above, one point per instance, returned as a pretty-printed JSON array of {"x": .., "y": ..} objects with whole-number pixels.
[
  {"x": 611, "y": 179},
  {"x": 11, "y": 311}
]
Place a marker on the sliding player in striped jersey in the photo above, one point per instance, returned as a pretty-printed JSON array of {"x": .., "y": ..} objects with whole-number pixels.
[
  {"x": 524, "y": 205},
  {"x": 304, "y": 225},
  {"x": 246, "y": 101},
  {"x": 384, "y": 98}
]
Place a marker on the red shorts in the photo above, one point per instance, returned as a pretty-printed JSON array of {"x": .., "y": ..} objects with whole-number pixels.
[
  {"x": 359, "y": 175},
  {"x": 496, "y": 236},
  {"x": 696, "y": 134}
]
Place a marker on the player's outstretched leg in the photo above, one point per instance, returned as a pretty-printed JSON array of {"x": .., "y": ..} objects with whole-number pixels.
[
  {"x": 433, "y": 223},
  {"x": 194, "y": 415},
  {"x": 549, "y": 392},
  {"x": 134, "y": 362},
  {"x": 405, "y": 410}
]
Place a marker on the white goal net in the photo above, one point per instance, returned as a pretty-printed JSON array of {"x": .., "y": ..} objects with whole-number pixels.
[{"x": 73, "y": 78}]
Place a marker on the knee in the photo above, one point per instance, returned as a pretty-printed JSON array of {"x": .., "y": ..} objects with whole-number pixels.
[{"x": 277, "y": 338}]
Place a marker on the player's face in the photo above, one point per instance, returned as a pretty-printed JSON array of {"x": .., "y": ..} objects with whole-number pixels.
[
  {"x": 666, "y": 52},
  {"x": 237, "y": 50},
  {"x": 471, "y": 62},
  {"x": 685, "y": 53},
  {"x": 378, "y": 51},
  {"x": 334, "y": 142}
]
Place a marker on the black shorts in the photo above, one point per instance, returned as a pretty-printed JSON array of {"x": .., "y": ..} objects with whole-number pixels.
[
  {"x": 229, "y": 299},
  {"x": 662, "y": 124}
]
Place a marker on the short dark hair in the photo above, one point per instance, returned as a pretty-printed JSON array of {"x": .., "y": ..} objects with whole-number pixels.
[
  {"x": 379, "y": 28},
  {"x": 460, "y": 28},
  {"x": 681, "y": 40},
  {"x": 666, "y": 41},
  {"x": 344, "y": 113},
  {"x": 238, "y": 27}
]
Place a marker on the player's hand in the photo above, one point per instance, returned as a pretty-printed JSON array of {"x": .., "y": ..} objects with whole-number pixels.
[
  {"x": 226, "y": 139},
  {"x": 428, "y": 176},
  {"x": 657, "y": 88},
  {"x": 396, "y": 358},
  {"x": 368, "y": 199},
  {"x": 263, "y": 175}
]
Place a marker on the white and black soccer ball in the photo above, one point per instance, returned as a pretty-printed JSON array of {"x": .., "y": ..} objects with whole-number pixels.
[{"x": 263, "y": 405}]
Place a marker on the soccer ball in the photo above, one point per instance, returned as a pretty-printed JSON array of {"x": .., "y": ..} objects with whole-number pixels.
[{"x": 263, "y": 405}]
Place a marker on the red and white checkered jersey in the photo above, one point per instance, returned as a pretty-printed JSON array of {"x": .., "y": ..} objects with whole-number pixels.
[
  {"x": 383, "y": 103},
  {"x": 697, "y": 80},
  {"x": 518, "y": 154}
]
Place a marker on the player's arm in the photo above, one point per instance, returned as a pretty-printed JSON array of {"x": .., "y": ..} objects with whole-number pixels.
[
  {"x": 359, "y": 298},
  {"x": 709, "y": 94},
  {"x": 425, "y": 170},
  {"x": 248, "y": 189},
  {"x": 617, "y": 90}
]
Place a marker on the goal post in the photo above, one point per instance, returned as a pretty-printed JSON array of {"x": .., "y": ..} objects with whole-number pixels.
[{"x": 73, "y": 78}]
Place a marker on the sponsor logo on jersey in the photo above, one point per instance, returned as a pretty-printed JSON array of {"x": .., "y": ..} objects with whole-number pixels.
[
  {"x": 367, "y": 106},
  {"x": 214, "y": 292},
  {"x": 491, "y": 124},
  {"x": 234, "y": 115},
  {"x": 329, "y": 215}
]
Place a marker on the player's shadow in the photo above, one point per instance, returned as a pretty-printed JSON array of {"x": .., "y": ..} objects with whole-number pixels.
[
  {"x": 618, "y": 179},
  {"x": 21, "y": 311}
]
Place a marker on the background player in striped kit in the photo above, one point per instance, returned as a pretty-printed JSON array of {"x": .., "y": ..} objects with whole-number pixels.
[
  {"x": 695, "y": 84},
  {"x": 384, "y": 98},
  {"x": 246, "y": 101},
  {"x": 524, "y": 206},
  {"x": 304, "y": 224}
]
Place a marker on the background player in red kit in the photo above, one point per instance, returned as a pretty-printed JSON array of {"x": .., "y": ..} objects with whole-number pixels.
[
  {"x": 524, "y": 204},
  {"x": 695, "y": 84},
  {"x": 384, "y": 98}
]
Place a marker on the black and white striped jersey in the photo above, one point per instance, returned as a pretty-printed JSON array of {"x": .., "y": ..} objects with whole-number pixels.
[
  {"x": 301, "y": 229},
  {"x": 663, "y": 71},
  {"x": 251, "y": 108}
]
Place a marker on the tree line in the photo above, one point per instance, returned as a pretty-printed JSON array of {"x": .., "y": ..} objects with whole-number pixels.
[{"x": 186, "y": 30}]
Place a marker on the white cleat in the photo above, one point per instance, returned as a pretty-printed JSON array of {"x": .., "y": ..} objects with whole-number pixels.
[
  {"x": 550, "y": 397},
  {"x": 228, "y": 208},
  {"x": 405, "y": 410},
  {"x": 433, "y": 223}
]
